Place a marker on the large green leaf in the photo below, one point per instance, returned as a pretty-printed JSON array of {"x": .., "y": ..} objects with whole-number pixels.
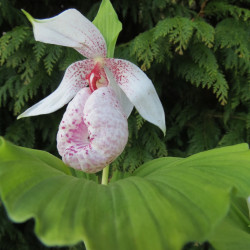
[
  {"x": 234, "y": 232},
  {"x": 108, "y": 23},
  {"x": 163, "y": 205}
]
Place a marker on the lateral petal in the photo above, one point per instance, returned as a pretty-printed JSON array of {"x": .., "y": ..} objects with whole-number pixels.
[
  {"x": 74, "y": 79},
  {"x": 93, "y": 131},
  {"x": 71, "y": 29},
  {"x": 139, "y": 89},
  {"x": 126, "y": 104}
]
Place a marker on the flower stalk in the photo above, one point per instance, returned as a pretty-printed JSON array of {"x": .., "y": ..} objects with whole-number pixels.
[{"x": 105, "y": 175}]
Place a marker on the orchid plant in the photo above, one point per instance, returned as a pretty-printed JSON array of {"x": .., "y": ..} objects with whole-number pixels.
[
  {"x": 94, "y": 130},
  {"x": 164, "y": 204}
]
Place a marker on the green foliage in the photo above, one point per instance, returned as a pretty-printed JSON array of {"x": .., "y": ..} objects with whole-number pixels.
[
  {"x": 109, "y": 26},
  {"x": 21, "y": 236},
  {"x": 196, "y": 53},
  {"x": 147, "y": 51},
  {"x": 204, "y": 32},
  {"x": 223, "y": 8},
  {"x": 210, "y": 49},
  {"x": 233, "y": 233},
  {"x": 178, "y": 30},
  {"x": 171, "y": 194}
]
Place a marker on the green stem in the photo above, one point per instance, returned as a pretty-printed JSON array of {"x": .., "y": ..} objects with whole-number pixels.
[{"x": 105, "y": 175}]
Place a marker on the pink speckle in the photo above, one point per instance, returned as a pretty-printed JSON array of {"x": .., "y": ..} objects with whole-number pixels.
[{"x": 98, "y": 136}]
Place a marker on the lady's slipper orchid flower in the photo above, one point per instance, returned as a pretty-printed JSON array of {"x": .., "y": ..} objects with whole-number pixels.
[{"x": 94, "y": 130}]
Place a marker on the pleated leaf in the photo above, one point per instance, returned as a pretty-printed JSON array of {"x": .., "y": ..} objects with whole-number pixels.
[
  {"x": 234, "y": 232},
  {"x": 163, "y": 205},
  {"x": 108, "y": 23}
]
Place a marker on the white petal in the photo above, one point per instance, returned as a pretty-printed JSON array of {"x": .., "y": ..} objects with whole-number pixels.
[
  {"x": 71, "y": 29},
  {"x": 74, "y": 79},
  {"x": 126, "y": 104},
  {"x": 139, "y": 89}
]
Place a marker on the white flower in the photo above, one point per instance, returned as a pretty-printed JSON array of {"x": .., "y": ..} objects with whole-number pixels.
[{"x": 93, "y": 79}]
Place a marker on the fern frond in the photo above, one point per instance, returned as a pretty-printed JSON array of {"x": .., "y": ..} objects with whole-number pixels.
[
  {"x": 205, "y": 58},
  {"x": 10, "y": 14},
  {"x": 145, "y": 49},
  {"x": 233, "y": 34},
  {"x": 25, "y": 93},
  {"x": 139, "y": 121},
  {"x": 53, "y": 55},
  {"x": 204, "y": 135},
  {"x": 12, "y": 40},
  {"x": 17, "y": 58},
  {"x": 220, "y": 88},
  {"x": 153, "y": 143},
  {"x": 178, "y": 29},
  {"x": 235, "y": 133},
  {"x": 134, "y": 158},
  {"x": 7, "y": 90},
  {"x": 204, "y": 32},
  {"x": 204, "y": 76},
  {"x": 39, "y": 50},
  {"x": 21, "y": 133},
  {"x": 27, "y": 69},
  {"x": 221, "y": 9}
]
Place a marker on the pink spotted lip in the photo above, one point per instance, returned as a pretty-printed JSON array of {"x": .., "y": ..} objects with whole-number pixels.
[{"x": 93, "y": 131}]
